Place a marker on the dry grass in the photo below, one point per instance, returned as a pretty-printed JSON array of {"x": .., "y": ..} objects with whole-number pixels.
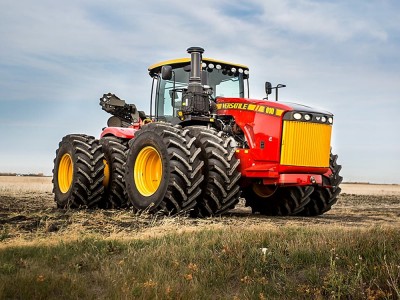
[
  {"x": 16, "y": 184},
  {"x": 288, "y": 262},
  {"x": 353, "y": 250}
]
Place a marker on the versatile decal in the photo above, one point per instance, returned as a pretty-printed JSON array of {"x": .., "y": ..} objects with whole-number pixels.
[{"x": 252, "y": 107}]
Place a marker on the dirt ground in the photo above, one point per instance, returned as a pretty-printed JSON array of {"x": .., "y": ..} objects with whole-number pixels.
[{"x": 28, "y": 215}]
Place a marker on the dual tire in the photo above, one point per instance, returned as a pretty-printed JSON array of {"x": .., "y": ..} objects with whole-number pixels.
[
  {"x": 322, "y": 198},
  {"x": 297, "y": 200},
  {"x": 163, "y": 171},
  {"x": 88, "y": 173},
  {"x": 221, "y": 189},
  {"x": 78, "y": 172},
  {"x": 173, "y": 170},
  {"x": 284, "y": 201},
  {"x": 114, "y": 149}
]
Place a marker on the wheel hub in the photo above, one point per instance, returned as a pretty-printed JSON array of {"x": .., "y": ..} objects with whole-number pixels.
[
  {"x": 148, "y": 171},
  {"x": 65, "y": 173}
]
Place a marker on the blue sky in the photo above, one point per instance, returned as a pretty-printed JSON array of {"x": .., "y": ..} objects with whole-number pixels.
[{"x": 58, "y": 57}]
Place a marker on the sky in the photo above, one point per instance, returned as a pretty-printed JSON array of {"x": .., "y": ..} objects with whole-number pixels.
[{"x": 57, "y": 58}]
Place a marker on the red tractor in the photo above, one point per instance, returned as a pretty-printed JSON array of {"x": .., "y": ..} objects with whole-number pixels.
[{"x": 203, "y": 145}]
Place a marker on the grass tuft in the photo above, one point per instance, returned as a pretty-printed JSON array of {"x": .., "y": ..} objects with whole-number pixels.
[{"x": 295, "y": 262}]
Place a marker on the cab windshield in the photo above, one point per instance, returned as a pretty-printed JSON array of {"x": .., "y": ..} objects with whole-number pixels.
[{"x": 169, "y": 92}]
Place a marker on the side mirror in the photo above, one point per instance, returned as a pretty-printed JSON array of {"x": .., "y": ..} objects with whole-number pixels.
[
  {"x": 166, "y": 72},
  {"x": 268, "y": 87}
]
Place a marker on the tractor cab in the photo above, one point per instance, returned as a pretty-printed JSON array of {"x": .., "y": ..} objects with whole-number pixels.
[{"x": 171, "y": 80}]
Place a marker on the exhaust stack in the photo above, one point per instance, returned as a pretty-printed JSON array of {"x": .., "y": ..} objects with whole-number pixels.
[
  {"x": 195, "y": 99},
  {"x": 195, "y": 64}
]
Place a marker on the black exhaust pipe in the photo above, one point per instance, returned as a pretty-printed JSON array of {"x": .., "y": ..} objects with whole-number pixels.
[
  {"x": 195, "y": 64},
  {"x": 195, "y": 100}
]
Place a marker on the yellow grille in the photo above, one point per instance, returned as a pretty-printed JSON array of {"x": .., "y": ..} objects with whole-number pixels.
[{"x": 305, "y": 144}]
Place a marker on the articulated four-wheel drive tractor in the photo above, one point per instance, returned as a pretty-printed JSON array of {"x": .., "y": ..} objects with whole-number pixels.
[{"x": 204, "y": 145}]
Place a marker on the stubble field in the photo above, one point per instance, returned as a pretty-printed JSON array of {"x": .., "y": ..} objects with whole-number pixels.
[
  {"x": 28, "y": 213},
  {"x": 351, "y": 251}
]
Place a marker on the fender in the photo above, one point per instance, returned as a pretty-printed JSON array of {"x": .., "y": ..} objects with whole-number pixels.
[{"x": 121, "y": 132}]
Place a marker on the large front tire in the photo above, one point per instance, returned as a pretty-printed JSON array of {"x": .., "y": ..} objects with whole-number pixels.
[
  {"x": 78, "y": 172},
  {"x": 221, "y": 189},
  {"x": 163, "y": 170},
  {"x": 324, "y": 197}
]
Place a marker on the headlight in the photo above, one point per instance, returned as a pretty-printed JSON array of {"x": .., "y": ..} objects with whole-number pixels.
[
  {"x": 297, "y": 116},
  {"x": 323, "y": 119},
  {"x": 307, "y": 117},
  {"x": 330, "y": 120}
]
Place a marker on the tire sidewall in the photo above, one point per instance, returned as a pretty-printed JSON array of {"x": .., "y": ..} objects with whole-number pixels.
[
  {"x": 138, "y": 200},
  {"x": 65, "y": 148}
]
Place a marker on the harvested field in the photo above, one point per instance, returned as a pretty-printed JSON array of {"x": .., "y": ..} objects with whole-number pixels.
[
  {"x": 351, "y": 252},
  {"x": 28, "y": 215}
]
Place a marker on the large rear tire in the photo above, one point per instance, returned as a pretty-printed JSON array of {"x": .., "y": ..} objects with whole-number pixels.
[
  {"x": 114, "y": 149},
  {"x": 221, "y": 190},
  {"x": 163, "y": 170},
  {"x": 78, "y": 172},
  {"x": 323, "y": 198},
  {"x": 285, "y": 201}
]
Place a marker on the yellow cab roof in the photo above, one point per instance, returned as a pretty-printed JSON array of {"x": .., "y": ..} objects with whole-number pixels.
[{"x": 156, "y": 68}]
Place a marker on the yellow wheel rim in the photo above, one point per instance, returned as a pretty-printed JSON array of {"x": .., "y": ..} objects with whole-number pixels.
[
  {"x": 148, "y": 171},
  {"x": 65, "y": 173},
  {"x": 106, "y": 179}
]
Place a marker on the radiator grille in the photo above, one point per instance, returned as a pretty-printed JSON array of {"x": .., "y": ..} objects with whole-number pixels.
[{"x": 305, "y": 144}]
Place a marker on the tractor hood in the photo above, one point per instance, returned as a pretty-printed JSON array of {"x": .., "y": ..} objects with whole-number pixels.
[
  {"x": 265, "y": 106},
  {"x": 305, "y": 108}
]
